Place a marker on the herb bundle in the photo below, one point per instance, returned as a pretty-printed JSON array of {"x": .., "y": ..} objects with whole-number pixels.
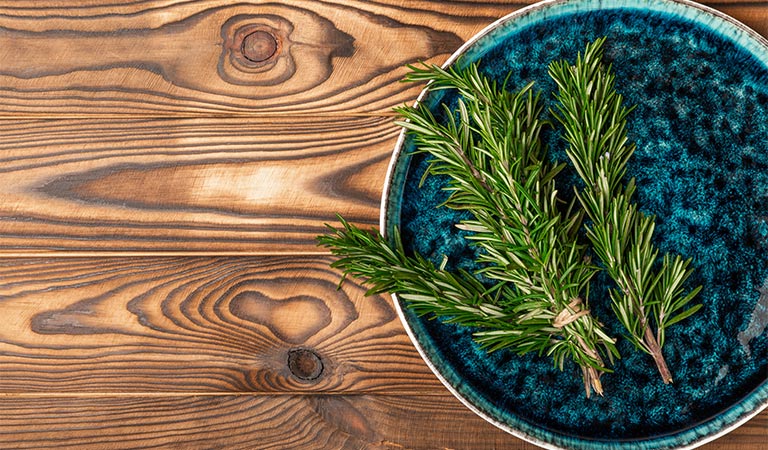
[{"x": 529, "y": 238}]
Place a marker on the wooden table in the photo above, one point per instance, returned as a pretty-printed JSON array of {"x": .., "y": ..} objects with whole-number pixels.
[{"x": 165, "y": 166}]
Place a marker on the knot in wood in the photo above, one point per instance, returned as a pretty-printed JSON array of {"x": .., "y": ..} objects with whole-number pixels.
[
  {"x": 259, "y": 46},
  {"x": 305, "y": 364},
  {"x": 254, "y": 46}
]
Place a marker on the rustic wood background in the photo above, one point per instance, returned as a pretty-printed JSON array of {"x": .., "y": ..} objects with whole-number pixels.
[{"x": 159, "y": 280}]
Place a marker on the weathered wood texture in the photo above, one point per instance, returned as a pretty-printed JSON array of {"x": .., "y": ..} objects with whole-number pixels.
[
  {"x": 381, "y": 422},
  {"x": 197, "y": 325},
  {"x": 204, "y": 185},
  {"x": 245, "y": 422},
  {"x": 181, "y": 57}
]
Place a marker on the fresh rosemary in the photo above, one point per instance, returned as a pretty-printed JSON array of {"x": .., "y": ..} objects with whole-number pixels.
[
  {"x": 594, "y": 123},
  {"x": 499, "y": 172},
  {"x": 528, "y": 237}
]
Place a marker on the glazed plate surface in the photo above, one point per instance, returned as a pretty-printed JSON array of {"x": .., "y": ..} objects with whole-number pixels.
[{"x": 699, "y": 81}]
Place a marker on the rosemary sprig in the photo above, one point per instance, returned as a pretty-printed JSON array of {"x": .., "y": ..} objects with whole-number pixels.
[
  {"x": 457, "y": 297},
  {"x": 594, "y": 120},
  {"x": 498, "y": 171}
]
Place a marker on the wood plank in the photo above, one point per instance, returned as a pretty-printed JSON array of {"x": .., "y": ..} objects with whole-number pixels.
[
  {"x": 246, "y": 422},
  {"x": 199, "y": 325},
  {"x": 261, "y": 422},
  {"x": 184, "y": 57},
  {"x": 188, "y": 185}
]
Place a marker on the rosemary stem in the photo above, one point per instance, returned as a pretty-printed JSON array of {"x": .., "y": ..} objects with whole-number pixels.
[
  {"x": 590, "y": 374},
  {"x": 654, "y": 349}
]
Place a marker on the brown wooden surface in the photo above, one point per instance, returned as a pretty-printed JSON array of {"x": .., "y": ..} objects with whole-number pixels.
[
  {"x": 197, "y": 324},
  {"x": 159, "y": 281},
  {"x": 246, "y": 185}
]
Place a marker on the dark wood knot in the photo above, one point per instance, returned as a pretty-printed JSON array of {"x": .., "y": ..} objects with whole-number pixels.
[
  {"x": 305, "y": 364},
  {"x": 254, "y": 45},
  {"x": 259, "y": 46}
]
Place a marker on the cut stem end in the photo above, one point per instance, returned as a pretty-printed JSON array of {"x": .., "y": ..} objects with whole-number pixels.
[{"x": 658, "y": 357}]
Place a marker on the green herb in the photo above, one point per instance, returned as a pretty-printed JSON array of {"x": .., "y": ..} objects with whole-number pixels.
[
  {"x": 499, "y": 172},
  {"x": 458, "y": 297},
  {"x": 594, "y": 121},
  {"x": 528, "y": 238}
]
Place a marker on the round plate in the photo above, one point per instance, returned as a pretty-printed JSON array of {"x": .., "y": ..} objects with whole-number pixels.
[{"x": 699, "y": 80}]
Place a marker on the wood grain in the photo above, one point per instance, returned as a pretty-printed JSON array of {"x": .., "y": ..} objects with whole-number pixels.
[
  {"x": 179, "y": 58},
  {"x": 140, "y": 325},
  {"x": 246, "y": 422},
  {"x": 382, "y": 422},
  {"x": 188, "y": 185}
]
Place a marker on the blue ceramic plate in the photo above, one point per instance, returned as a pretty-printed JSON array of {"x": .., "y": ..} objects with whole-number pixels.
[{"x": 700, "y": 83}]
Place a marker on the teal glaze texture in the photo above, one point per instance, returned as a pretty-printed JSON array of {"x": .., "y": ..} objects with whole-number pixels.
[{"x": 700, "y": 84}]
